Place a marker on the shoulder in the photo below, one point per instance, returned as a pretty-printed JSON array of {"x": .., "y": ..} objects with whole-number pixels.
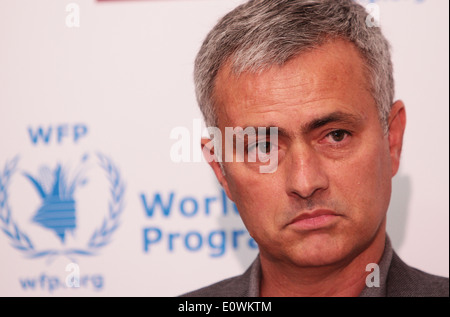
[
  {"x": 406, "y": 281},
  {"x": 238, "y": 286},
  {"x": 231, "y": 287}
]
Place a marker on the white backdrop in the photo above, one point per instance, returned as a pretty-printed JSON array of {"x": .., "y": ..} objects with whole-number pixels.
[{"x": 105, "y": 97}]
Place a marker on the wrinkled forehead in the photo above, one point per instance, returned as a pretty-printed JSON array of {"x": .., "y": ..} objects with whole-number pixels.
[{"x": 332, "y": 70}]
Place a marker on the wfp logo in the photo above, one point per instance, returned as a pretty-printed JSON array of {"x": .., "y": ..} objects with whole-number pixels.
[{"x": 57, "y": 210}]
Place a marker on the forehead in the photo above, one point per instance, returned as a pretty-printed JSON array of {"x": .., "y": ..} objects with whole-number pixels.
[{"x": 332, "y": 74}]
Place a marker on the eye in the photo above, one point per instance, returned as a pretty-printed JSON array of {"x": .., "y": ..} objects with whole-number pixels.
[
  {"x": 261, "y": 151},
  {"x": 337, "y": 136},
  {"x": 264, "y": 147}
]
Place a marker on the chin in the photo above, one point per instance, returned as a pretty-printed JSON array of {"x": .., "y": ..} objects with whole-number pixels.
[
  {"x": 321, "y": 251},
  {"x": 317, "y": 259}
]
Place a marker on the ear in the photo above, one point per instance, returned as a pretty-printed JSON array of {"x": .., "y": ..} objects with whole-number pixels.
[
  {"x": 213, "y": 161},
  {"x": 397, "y": 124}
]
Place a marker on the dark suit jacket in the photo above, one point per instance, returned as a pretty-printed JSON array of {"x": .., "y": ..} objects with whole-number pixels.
[{"x": 401, "y": 281}]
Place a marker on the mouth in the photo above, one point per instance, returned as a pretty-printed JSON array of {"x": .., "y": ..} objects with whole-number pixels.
[{"x": 318, "y": 219}]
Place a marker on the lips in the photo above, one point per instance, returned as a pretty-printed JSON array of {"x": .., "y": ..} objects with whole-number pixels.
[{"x": 317, "y": 219}]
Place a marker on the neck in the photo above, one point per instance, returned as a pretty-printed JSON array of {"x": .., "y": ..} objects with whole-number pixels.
[{"x": 346, "y": 278}]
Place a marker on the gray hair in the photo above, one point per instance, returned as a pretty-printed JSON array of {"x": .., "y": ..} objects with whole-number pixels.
[{"x": 262, "y": 33}]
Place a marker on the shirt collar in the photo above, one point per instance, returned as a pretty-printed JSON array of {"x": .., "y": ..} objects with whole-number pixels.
[
  {"x": 383, "y": 266},
  {"x": 374, "y": 291}
]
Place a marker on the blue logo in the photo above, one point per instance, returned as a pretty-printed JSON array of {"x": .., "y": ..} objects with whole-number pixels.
[{"x": 57, "y": 211}]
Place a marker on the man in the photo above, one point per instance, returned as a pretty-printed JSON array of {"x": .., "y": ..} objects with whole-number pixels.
[{"x": 315, "y": 71}]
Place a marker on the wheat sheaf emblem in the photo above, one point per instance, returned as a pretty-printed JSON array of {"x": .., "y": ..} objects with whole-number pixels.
[{"x": 57, "y": 210}]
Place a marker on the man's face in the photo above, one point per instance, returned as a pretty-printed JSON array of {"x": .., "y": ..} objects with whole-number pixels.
[{"x": 327, "y": 200}]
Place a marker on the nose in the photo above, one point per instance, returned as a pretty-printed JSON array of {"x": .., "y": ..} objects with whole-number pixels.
[{"x": 306, "y": 174}]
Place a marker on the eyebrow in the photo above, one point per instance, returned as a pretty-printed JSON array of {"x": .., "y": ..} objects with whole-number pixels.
[{"x": 334, "y": 117}]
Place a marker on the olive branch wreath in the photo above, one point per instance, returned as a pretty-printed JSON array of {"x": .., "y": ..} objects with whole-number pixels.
[{"x": 101, "y": 236}]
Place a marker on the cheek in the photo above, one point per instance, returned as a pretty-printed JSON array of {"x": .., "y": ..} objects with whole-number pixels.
[
  {"x": 365, "y": 183},
  {"x": 254, "y": 195}
]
